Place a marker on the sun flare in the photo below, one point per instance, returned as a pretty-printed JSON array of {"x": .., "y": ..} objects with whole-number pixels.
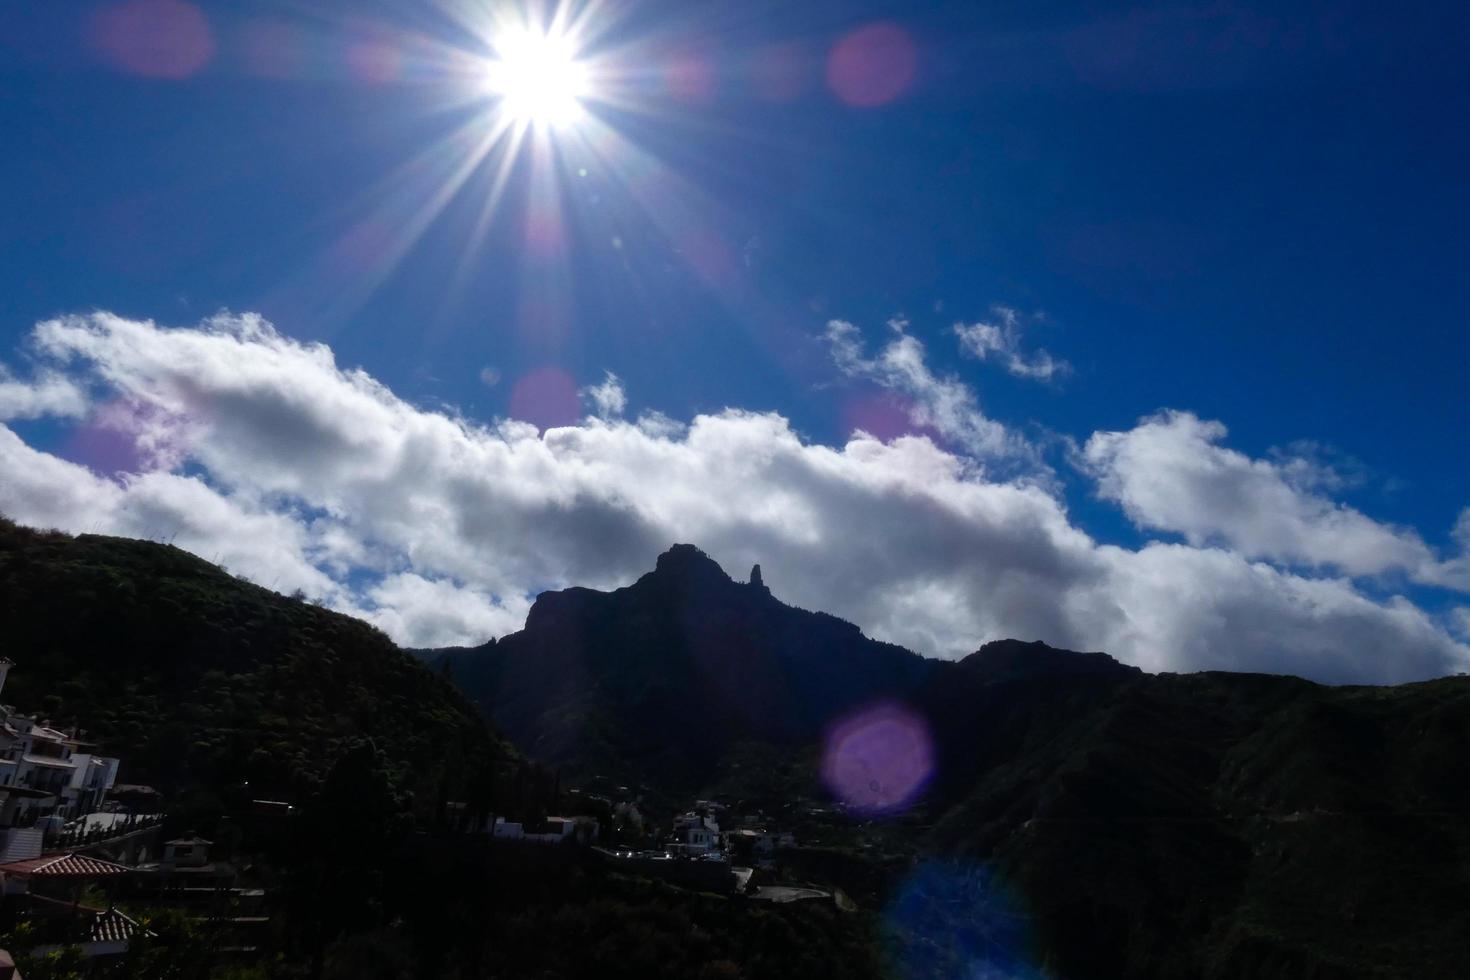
[{"x": 538, "y": 77}]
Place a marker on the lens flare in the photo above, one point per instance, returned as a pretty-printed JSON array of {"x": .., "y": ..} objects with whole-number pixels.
[
  {"x": 538, "y": 77},
  {"x": 162, "y": 39},
  {"x": 950, "y": 919},
  {"x": 879, "y": 760},
  {"x": 873, "y": 65}
]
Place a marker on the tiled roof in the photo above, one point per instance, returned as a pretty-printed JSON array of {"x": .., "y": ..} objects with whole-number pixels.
[
  {"x": 63, "y": 866},
  {"x": 113, "y": 927}
]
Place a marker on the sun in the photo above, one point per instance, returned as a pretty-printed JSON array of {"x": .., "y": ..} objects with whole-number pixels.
[{"x": 538, "y": 77}]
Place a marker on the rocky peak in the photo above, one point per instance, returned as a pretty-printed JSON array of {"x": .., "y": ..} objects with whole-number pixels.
[
  {"x": 1011, "y": 659},
  {"x": 686, "y": 561}
]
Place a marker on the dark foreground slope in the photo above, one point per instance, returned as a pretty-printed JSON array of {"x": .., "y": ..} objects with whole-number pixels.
[
  {"x": 198, "y": 679},
  {"x": 1227, "y": 825},
  {"x": 1089, "y": 820}
]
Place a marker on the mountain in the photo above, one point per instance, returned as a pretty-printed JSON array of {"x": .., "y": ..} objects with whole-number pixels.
[
  {"x": 1086, "y": 820},
  {"x": 669, "y": 674},
  {"x": 1224, "y": 825},
  {"x": 197, "y": 679},
  {"x": 1080, "y": 819}
]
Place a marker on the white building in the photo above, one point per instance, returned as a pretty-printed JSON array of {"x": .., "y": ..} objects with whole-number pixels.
[
  {"x": 697, "y": 832},
  {"x": 46, "y": 770},
  {"x": 552, "y": 830},
  {"x": 758, "y": 844}
]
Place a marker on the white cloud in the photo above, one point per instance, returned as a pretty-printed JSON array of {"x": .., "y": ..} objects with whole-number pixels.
[
  {"x": 1312, "y": 466},
  {"x": 268, "y": 546},
  {"x": 489, "y": 376},
  {"x": 1460, "y": 622},
  {"x": 1454, "y": 572},
  {"x": 608, "y": 398},
  {"x": 1209, "y": 607},
  {"x": 1170, "y": 473},
  {"x": 1000, "y": 339},
  {"x": 303, "y": 474},
  {"x": 49, "y": 394},
  {"x": 424, "y": 612},
  {"x": 944, "y": 404}
]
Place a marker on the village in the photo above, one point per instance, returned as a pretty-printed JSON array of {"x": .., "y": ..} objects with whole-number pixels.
[
  {"x": 77, "y": 848},
  {"x": 767, "y": 850},
  {"x": 85, "y": 861},
  {"x": 707, "y": 847}
]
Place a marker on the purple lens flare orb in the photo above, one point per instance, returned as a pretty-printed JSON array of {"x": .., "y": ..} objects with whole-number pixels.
[{"x": 879, "y": 759}]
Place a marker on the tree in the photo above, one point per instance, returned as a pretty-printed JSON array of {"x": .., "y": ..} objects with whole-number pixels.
[
  {"x": 345, "y": 836},
  {"x": 66, "y": 963}
]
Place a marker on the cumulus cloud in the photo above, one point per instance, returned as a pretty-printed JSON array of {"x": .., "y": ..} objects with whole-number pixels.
[
  {"x": 999, "y": 340},
  {"x": 1170, "y": 473},
  {"x": 268, "y": 546},
  {"x": 1310, "y": 465},
  {"x": 302, "y": 473},
  {"x": 438, "y": 612},
  {"x": 1460, "y": 622},
  {"x": 608, "y": 400},
  {"x": 49, "y": 394},
  {"x": 944, "y": 404},
  {"x": 1453, "y": 572}
]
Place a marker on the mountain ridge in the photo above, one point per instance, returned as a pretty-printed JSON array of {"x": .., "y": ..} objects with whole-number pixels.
[
  {"x": 1212, "y": 825},
  {"x": 1101, "y": 821},
  {"x": 741, "y": 657}
]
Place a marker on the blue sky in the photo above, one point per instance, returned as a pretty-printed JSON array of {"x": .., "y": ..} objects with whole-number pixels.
[{"x": 1250, "y": 215}]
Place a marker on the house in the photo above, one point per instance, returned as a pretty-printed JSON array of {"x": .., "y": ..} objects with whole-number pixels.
[
  {"x": 186, "y": 852},
  {"x": 552, "y": 830},
  {"x": 44, "y": 770},
  {"x": 697, "y": 833},
  {"x": 186, "y": 874},
  {"x": 19, "y": 877},
  {"x": 189, "y": 878},
  {"x": 51, "y": 889},
  {"x": 758, "y": 845},
  {"x": 507, "y": 830}
]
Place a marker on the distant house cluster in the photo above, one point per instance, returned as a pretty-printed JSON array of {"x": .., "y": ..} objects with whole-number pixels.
[
  {"x": 552, "y": 830},
  {"x": 47, "y": 772},
  {"x": 68, "y": 850},
  {"x": 711, "y": 848},
  {"x": 746, "y": 838}
]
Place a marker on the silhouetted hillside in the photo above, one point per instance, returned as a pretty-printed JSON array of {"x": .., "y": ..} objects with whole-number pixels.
[
  {"x": 197, "y": 678},
  {"x": 1095, "y": 821},
  {"x": 666, "y": 675},
  {"x": 1083, "y": 820}
]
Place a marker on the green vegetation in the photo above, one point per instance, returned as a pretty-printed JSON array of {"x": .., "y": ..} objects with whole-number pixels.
[
  {"x": 200, "y": 681},
  {"x": 217, "y": 691}
]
